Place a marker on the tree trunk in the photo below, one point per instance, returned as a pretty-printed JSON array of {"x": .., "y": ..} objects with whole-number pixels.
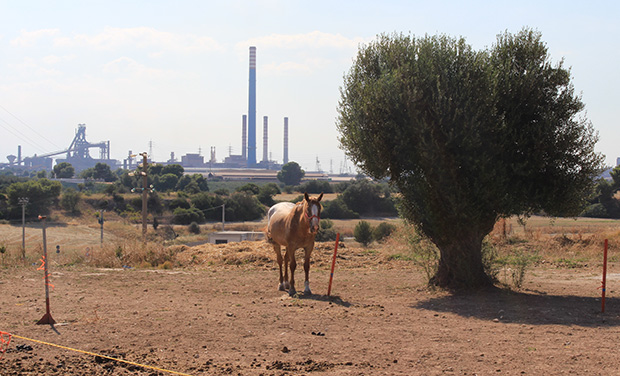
[{"x": 460, "y": 264}]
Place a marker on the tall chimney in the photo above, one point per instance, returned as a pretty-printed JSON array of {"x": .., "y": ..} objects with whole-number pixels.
[
  {"x": 265, "y": 140},
  {"x": 285, "y": 159},
  {"x": 252, "y": 110},
  {"x": 19, "y": 155},
  {"x": 244, "y": 136}
]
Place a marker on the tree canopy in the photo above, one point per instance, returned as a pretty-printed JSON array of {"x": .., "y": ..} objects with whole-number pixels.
[
  {"x": 64, "y": 170},
  {"x": 291, "y": 174},
  {"x": 468, "y": 137}
]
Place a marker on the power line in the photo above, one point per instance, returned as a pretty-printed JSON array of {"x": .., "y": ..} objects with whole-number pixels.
[{"x": 31, "y": 129}]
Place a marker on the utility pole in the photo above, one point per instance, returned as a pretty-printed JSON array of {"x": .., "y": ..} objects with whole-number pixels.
[
  {"x": 101, "y": 223},
  {"x": 223, "y": 215},
  {"x": 145, "y": 189},
  {"x": 23, "y": 201},
  {"x": 144, "y": 192}
]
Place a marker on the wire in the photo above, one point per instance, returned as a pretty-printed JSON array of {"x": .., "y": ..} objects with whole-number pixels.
[
  {"x": 29, "y": 127},
  {"x": 99, "y": 355}
]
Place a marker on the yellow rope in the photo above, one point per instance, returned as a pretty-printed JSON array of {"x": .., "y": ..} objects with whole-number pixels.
[{"x": 103, "y": 356}]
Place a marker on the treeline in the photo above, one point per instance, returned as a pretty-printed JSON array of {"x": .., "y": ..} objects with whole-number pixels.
[
  {"x": 178, "y": 198},
  {"x": 603, "y": 202}
]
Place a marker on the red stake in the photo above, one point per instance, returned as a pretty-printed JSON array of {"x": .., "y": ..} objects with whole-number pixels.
[
  {"x": 331, "y": 276},
  {"x": 604, "y": 277},
  {"x": 47, "y": 318}
]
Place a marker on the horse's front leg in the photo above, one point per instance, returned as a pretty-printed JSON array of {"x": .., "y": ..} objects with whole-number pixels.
[
  {"x": 307, "y": 270},
  {"x": 286, "y": 284}
]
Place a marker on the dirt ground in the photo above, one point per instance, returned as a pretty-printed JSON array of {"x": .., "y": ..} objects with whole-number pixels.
[{"x": 221, "y": 316}]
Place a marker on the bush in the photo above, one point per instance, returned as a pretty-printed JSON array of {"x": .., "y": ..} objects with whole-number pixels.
[
  {"x": 194, "y": 228},
  {"x": 382, "y": 231},
  {"x": 326, "y": 231},
  {"x": 70, "y": 200},
  {"x": 186, "y": 216},
  {"x": 337, "y": 209},
  {"x": 363, "y": 233},
  {"x": 316, "y": 186}
]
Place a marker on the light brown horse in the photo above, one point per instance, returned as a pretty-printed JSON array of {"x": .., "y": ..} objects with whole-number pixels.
[{"x": 294, "y": 226}]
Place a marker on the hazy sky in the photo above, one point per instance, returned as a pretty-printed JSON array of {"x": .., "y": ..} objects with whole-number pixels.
[{"x": 176, "y": 72}]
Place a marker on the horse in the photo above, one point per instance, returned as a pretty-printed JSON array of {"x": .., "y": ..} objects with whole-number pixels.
[{"x": 294, "y": 226}]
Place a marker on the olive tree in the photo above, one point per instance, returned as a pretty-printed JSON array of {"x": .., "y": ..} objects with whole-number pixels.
[{"x": 468, "y": 137}]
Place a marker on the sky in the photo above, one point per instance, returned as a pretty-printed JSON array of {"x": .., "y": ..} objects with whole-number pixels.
[{"x": 172, "y": 76}]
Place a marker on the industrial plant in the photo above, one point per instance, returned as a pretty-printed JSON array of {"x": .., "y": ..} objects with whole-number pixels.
[{"x": 78, "y": 151}]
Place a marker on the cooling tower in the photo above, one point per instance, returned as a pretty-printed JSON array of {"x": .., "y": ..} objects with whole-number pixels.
[
  {"x": 252, "y": 110},
  {"x": 285, "y": 159}
]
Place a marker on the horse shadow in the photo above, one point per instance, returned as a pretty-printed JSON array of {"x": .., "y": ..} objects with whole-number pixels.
[
  {"x": 334, "y": 299},
  {"x": 526, "y": 307}
]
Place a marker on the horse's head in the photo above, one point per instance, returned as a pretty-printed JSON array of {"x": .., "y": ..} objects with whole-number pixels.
[{"x": 312, "y": 211}]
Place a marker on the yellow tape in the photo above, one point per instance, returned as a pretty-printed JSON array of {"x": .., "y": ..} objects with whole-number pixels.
[{"x": 94, "y": 354}]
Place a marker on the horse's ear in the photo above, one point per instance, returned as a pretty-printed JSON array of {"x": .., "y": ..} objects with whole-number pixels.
[
  {"x": 320, "y": 197},
  {"x": 306, "y": 196}
]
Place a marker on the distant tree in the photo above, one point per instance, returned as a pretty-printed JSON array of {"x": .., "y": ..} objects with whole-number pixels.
[
  {"x": 176, "y": 169},
  {"x": 41, "y": 174},
  {"x": 101, "y": 171},
  {"x": 251, "y": 188},
  {"x": 267, "y": 192},
  {"x": 70, "y": 200},
  {"x": 165, "y": 182},
  {"x": 64, "y": 170},
  {"x": 316, "y": 186},
  {"x": 468, "y": 137},
  {"x": 192, "y": 183},
  {"x": 291, "y": 174},
  {"x": 363, "y": 233},
  {"x": 42, "y": 194}
]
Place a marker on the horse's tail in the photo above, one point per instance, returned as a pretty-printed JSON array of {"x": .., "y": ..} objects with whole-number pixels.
[{"x": 268, "y": 238}]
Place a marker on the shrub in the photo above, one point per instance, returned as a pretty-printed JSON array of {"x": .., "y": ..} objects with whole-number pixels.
[
  {"x": 337, "y": 209},
  {"x": 194, "y": 228},
  {"x": 326, "y": 231},
  {"x": 186, "y": 216},
  {"x": 316, "y": 186},
  {"x": 363, "y": 233},
  {"x": 70, "y": 200},
  {"x": 382, "y": 231}
]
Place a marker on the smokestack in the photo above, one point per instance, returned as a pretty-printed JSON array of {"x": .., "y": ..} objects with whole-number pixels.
[
  {"x": 265, "y": 140},
  {"x": 252, "y": 110},
  {"x": 19, "y": 155},
  {"x": 285, "y": 159},
  {"x": 244, "y": 136}
]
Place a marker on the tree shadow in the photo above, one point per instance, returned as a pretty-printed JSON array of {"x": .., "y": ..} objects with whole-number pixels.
[{"x": 527, "y": 307}]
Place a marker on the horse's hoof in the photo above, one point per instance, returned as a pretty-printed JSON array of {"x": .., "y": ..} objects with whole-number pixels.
[
  {"x": 307, "y": 291},
  {"x": 292, "y": 292},
  {"x": 281, "y": 287},
  {"x": 287, "y": 285}
]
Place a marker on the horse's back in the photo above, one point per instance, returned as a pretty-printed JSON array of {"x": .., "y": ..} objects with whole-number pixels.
[
  {"x": 276, "y": 222},
  {"x": 281, "y": 209}
]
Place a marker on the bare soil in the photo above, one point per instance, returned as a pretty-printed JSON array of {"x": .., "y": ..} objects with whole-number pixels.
[{"x": 221, "y": 314}]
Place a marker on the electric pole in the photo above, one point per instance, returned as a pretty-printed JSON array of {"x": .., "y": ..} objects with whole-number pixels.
[
  {"x": 144, "y": 193},
  {"x": 23, "y": 201},
  {"x": 101, "y": 223}
]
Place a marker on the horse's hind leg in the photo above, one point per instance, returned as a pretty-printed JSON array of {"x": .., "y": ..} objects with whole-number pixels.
[
  {"x": 307, "y": 271},
  {"x": 276, "y": 248},
  {"x": 290, "y": 254}
]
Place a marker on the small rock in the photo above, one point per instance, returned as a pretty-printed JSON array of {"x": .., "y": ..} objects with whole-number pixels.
[
  {"x": 285, "y": 350},
  {"x": 495, "y": 320}
]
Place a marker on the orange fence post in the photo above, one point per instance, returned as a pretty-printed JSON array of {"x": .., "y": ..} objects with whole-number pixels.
[{"x": 331, "y": 276}]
